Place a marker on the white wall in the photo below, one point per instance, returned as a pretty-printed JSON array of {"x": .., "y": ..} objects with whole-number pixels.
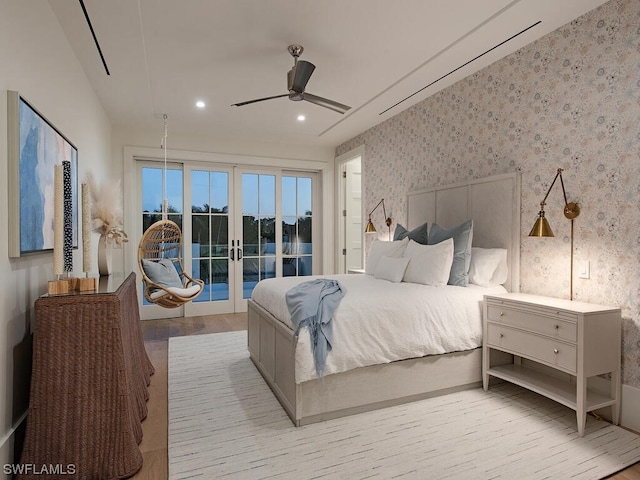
[{"x": 36, "y": 60}]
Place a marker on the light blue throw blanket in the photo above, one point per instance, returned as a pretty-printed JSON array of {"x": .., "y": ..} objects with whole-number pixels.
[{"x": 312, "y": 305}]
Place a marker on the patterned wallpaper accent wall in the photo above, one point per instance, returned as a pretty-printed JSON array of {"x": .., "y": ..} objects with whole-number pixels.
[{"x": 570, "y": 100}]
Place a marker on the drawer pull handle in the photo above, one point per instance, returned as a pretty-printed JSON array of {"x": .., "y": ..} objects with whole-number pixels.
[
  {"x": 502, "y": 314},
  {"x": 556, "y": 351},
  {"x": 557, "y": 327},
  {"x": 502, "y": 335}
]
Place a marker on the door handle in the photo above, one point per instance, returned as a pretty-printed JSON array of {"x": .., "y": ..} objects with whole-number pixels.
[
  {"x": 239, "y": 251},
  {"x": 232, "y": 251}
]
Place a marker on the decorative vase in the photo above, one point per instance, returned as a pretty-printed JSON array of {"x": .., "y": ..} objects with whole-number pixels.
[{"x": 104, "y": 256}]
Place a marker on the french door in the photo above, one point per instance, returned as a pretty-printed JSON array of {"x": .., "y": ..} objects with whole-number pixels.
[{"x": 241, "y": 226}]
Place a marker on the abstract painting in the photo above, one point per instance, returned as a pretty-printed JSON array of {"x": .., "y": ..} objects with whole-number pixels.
[{"x": 35, "y": 146}]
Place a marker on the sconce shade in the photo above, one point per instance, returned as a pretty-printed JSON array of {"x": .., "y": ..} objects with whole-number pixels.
[
  {"x": 541, "y": 228},
  {"x": 370, "y": 227}
]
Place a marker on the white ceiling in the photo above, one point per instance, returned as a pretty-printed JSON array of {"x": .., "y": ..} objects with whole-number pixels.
[{"x": 163, "y": 55}]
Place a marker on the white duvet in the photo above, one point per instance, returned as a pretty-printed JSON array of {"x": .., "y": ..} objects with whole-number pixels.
[{"x": 380, "y": 322}]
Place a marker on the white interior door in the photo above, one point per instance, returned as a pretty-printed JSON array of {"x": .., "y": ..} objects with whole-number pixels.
[{"x": 353, "y": 214}]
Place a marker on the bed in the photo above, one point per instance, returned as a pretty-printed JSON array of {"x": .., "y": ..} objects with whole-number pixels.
[{"x": 347, "y": 387}]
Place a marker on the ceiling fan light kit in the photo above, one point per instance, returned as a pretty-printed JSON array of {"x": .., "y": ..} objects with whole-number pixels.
[{"x": 297, "y": 79}]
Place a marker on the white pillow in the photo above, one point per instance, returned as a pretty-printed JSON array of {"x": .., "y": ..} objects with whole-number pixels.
[
  {"x": 391, "y": 268},
  {"x": 488, "y": 266},
  {"x": 429, "y": 264},
  {"x": 380, "y": 249}
]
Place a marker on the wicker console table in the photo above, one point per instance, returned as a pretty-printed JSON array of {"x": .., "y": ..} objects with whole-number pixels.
[{"x": 89, "y": 384}]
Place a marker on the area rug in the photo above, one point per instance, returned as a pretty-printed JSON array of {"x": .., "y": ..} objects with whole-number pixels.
[{"x": 224, "y": 422}]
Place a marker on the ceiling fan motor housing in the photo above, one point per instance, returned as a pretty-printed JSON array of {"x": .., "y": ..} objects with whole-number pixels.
[{"x": 293, "y": 95}]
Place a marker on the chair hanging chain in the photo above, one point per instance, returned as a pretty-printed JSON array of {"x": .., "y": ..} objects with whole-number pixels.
[{"x": 164, "y": 181}]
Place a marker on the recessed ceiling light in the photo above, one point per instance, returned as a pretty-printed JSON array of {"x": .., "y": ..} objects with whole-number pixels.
[
  {"x": 200, "y": 104},
  {"x": 301, "y": 118}
]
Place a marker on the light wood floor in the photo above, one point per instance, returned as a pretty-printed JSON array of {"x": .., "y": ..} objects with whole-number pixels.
[{"x": 156, "y": 334}]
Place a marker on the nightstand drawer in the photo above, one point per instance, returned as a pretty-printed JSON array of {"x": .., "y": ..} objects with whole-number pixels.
[
  {"x": 536, "y": 347},
  {"x": 549, "y": 323}
]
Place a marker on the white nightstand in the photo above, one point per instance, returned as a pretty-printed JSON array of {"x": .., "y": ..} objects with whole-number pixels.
[
  {"x": 580, "y": 339},
  {"x": 356, "y": 270}
]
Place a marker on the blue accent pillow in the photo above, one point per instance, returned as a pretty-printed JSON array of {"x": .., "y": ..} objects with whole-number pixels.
[
  {"x": 163, "y": 273},
  {"x": 418, "y": 234},
  {"x": 462, "y": 237}
]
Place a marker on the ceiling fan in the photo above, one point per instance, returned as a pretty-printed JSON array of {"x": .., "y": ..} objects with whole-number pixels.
[{"x": 297, "y": 79}]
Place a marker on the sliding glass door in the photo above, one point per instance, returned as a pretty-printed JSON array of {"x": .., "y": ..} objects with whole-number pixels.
[
  {"x": 241, "y": 226},
  {"x": 211, "y": 234}
]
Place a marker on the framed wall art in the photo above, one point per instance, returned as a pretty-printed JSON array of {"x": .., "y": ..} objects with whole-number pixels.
[{"x": 35, "y": 146}]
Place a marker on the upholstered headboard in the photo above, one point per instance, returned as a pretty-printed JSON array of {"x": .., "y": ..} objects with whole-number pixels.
[{"x": 492, "y": 202}]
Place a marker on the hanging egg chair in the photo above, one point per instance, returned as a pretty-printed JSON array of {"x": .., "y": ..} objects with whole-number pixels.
[{"x": 159, "y": 259}]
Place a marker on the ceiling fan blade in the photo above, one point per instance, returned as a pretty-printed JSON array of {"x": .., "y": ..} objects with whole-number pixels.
[
  {"x": 304, "y": 70},
  {"x": 258, "y": 100},
  {"x": 324, "y": 102}
]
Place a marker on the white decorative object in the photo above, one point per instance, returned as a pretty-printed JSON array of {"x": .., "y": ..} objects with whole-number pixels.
[
  {"x": 86, "y": 228},
  {"x": 58, "y": 220},
  {"x": 550, "y": 335},
  {"x": 104, "y": 255},
  {"x": 106, "y": 215}
]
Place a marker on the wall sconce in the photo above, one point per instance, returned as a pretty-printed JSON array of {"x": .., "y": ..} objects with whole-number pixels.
[
  {"x": 542, "y": 229},
  {"x": 370, "y": 227}
]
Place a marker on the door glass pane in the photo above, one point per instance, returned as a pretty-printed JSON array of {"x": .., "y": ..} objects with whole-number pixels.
[
  {"x": 220, "y": 236},
  {"x": 258, "y": 229},
  {"x": 210, "y": 232},
  {"x": 174, "y": 191},
  {"x": 304, "y": 235},
  {"x": 250, "y": 235},
  {"x": 297, "y": 225},
  {"x": 305, "y": 265},
  {"x": 304, "y": 196},
  {"x": 268, "y": 267},
  {"x": 200, "y": 236},
  {"x": 201, "y": 269},
  {"x": 268, "y": 236},
  {"x": 289, "y": 236},
  {"x": 151, "y": 190},
  {"x": 219, "y": 192},
  {"x": 250, "y": 275},
  {"x": 219, "y": 279},
  {"x": 200, "y": 192},
  {"x": 249, "y": 194},
  {"x": 288, "y": 196},
  {"x": 267, "y": 195}
]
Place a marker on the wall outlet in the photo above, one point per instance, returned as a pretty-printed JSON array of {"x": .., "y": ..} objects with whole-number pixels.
[{"x": 585, "y": 270}]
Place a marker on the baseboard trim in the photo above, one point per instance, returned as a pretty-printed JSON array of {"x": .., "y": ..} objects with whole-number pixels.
[
  {"x": 7, "y": 436},
  {"x": 630, "y": 408}
]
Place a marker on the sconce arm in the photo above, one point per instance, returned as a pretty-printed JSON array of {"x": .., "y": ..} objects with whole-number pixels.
[{"x": 571, "y": 209}]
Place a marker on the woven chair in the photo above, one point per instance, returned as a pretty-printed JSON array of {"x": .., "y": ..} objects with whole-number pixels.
[{"x": 163, "y": 240}]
